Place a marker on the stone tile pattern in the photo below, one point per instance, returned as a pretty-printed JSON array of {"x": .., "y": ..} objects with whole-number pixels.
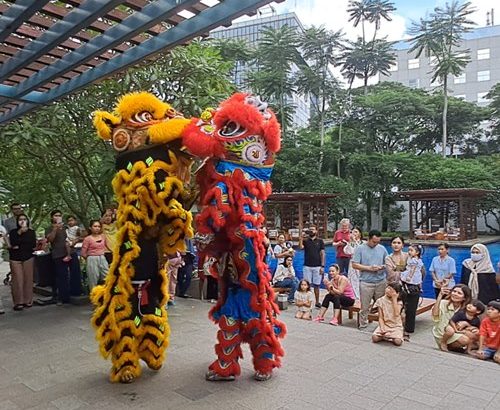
[{"x": 49, "y": 361}]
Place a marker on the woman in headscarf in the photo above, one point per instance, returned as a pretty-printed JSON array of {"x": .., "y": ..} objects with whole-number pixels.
[{"x": 478, "y": 273}]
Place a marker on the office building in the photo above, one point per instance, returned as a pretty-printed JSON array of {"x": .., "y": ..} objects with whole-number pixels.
[
  {"x": 478, "y": 78},
  {"x": 251, "y": 31}
]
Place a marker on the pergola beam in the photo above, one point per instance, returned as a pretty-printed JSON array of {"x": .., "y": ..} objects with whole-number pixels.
[
  {"x": 9, "y": 93},
  {"x": 135, "y": 24},
  {"x": 17, "y": 14},
  {"x": 184, "y": 31},
  {"x": 72, "y": 23}
]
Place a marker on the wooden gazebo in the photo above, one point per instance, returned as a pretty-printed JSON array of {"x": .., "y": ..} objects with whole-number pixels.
[
  {"x": 288, "y": 211},
  {"x": 443, "y": 213}
]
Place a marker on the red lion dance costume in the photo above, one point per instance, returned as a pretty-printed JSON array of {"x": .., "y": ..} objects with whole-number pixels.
[{"x": 240, "y": 142}]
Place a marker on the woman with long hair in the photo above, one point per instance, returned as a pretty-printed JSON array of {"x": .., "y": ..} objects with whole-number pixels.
[
  {"x": 356, "y": 239},
  {"x": 93, "y": 250},
  {"x": 395, "y": 263},
  {"x": 22, "y": 244},
  {"x": 447, "y": 304}
]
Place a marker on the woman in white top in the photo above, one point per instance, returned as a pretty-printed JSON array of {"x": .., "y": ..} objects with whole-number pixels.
[
  {"x": 284, "y": 277},
  {"x": 349, "y": 249}
]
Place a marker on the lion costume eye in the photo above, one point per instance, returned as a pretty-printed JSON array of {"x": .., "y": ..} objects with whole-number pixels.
[
  {"x": 232, "y": 129},
  {"x": 121, "y": 140},
  {"x": 141, "y": 117}
]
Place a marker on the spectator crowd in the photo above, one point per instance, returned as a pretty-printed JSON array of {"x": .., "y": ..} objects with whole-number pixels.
[{"x": 466, "y": 315}]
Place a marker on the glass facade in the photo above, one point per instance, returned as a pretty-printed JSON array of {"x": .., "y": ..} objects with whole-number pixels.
[{"x": 251, "y": 31}]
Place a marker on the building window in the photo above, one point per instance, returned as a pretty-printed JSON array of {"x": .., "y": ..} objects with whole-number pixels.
[
  {"x": 483, "y": 75},
  {"x": 413, "y": 63},
  {"x": 483, "y": 54},
  {"x": 460, "y": 79},
  {"x": 460, "y": 96},
  {"x": 414, "y": 83},
  {"x": 394, "y": 67},
  {"x": 482, "y": 99}
]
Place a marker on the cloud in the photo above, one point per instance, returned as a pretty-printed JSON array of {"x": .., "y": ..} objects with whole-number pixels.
[{"x": 333, "y": 15}]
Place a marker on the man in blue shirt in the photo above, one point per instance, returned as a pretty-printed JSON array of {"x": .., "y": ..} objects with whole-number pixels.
[{"x": 369, "y": 259}]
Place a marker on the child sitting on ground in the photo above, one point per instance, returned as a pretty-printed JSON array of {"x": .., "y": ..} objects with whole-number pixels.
[
  {"x": 390, "y": 322},
  {"x": 465, "y": 321},
  {"x": 304, "y": 300},
  {"x": 489, "y": 333}
]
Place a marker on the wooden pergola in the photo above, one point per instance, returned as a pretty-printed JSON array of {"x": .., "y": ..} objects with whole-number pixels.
[
  {"x": 50, "y": 49},
  {"x": 295, "y": 210},
  {"x": 436, "y": 210}
]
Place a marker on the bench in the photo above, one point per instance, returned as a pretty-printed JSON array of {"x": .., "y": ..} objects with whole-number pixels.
[{"x": 425, "y": 305}]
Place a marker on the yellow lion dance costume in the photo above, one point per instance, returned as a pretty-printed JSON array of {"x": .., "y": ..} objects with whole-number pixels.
[{"x": 152, "y": 169}]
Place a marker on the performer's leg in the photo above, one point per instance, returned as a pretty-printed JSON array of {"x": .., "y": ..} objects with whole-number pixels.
[
  {"x": 154, "y": 339},
  {"x": 228, "y": 351},
  {"x": 265, "y": 347},
  {"x": 154, "y": 330},
  {"x": 125, "y": 359}
]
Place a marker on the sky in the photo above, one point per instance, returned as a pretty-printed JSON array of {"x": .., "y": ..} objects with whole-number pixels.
[{"x": 333, "y": 14}]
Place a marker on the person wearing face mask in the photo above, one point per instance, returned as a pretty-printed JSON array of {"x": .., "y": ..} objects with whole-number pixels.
[
  {"x": 314, "y": 259},
  {"x": 478, "y": 273}
]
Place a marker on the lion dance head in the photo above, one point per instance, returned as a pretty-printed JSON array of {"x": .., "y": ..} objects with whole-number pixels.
[
  {"x": 139, "y": 119},
  {"x": 242, "y": 129}
]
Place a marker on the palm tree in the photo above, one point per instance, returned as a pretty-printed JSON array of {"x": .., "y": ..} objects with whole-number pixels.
[
  {"x": 276, "y": 54},
  {"x": 378, "y": 10},
  {"x": 364, "y": 60},
  {"x": 440, "y": 36},
  {"x": 320, "y": 49},
  {"x": 359, "y": 12}
]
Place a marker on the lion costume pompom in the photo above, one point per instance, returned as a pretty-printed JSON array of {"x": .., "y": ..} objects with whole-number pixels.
[{"x": 130, "y": 316}]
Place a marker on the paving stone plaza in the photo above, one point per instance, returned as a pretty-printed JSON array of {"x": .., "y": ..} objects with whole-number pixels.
[{"x": 49, "y": 361}]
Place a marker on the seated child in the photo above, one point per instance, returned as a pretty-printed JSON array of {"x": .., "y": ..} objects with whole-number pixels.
[
  {"x": 390, "y": 322},
  {"x": 489, "y": 333},
  {"x": 304, "y": 300},
  {"x": 465, "y": 321}
]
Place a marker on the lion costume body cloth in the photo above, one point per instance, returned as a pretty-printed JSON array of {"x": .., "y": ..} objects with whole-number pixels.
[
  {"x": 239, "y": 141},
  {"x": 130, "y": 316}
]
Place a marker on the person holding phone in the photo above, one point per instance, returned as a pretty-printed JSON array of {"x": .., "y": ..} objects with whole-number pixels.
[
  {"x": 67, "y": 265},
  {"x": 22, "y": 244},
  {"x": 369, "y": 259},
  {"x": 341, "y": 238}
]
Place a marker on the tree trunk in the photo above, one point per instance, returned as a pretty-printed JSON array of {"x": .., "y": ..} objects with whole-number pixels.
[
  {"x": 445, "y": 115},
  {"x": 380, "y": 209},
  {"x": 321, "y": 134},
  {"x": 340, "y": 144},
  {"x": 368, "y": 203}
]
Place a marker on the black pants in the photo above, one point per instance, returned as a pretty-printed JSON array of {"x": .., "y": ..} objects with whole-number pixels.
[
  {"x": 184, "y": 278},
  {"x": 212, "y": 287},
  {"x": 343, "y": 263},
  {"x": 337, "y": 300},
  {"x": 411, "y": 304},
  {"x": 62, "y": 280}
]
